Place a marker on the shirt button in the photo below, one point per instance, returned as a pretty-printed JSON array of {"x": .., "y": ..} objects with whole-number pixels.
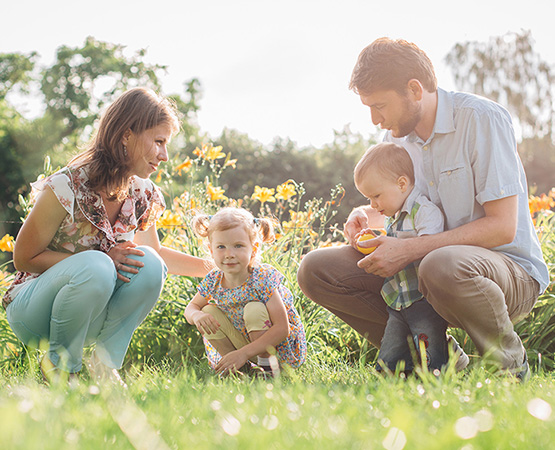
[
  {"x": 502, "y": 192},
  {"x": 431, "y": 183},
  {"x": 449, "y": 172},
  {"x": 425, "y": 147}
]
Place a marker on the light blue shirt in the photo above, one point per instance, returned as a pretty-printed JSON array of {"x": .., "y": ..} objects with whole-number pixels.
[{"x": 471, "y": 158}]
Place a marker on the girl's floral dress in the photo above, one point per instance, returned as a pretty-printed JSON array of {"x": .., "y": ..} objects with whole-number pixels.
[
  {"x": 86, "y": 225},
  {"x": 263, "y": 281}
]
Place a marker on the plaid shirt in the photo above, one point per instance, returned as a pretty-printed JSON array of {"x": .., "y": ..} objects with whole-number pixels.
[{"x": 418, "y": 216}]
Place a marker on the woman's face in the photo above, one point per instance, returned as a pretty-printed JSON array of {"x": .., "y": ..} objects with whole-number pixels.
[{"x": 147, "y": 149}]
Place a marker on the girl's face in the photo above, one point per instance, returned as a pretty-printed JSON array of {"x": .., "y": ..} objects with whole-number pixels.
[
  {"x": 148, "y": 149},
  {"x": 232, "y": 251}
]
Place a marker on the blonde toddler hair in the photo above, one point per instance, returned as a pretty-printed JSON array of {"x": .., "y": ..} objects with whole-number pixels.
[
  {"x": 259, "y": 230},
  {"x": 390, "y": 159}
]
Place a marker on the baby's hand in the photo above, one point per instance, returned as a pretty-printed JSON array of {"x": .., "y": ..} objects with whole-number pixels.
[{"x": 205, "y": 323}]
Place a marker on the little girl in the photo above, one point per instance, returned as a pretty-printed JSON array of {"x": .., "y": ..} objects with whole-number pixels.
[{"x": 242, "y": 309}]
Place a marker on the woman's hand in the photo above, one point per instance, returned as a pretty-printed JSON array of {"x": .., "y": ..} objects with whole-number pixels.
[
  {"x": 205, "y": 323},
  {"x": 119, "y": 254},
  {"x": 231, "y": 362}
]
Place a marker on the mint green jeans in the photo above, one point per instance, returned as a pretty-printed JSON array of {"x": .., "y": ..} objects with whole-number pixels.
[{"x": 80, "y": 301}]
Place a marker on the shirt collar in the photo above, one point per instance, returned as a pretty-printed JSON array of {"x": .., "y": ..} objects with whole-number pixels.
[
  {"x": 407, "y": 206},
  {"x": 445, "y": 122}
]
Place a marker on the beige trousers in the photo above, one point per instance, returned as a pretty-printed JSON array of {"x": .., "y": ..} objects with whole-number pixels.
[
  {"x": 255, "y": 315},
  {"x": 479, "y": 290}
]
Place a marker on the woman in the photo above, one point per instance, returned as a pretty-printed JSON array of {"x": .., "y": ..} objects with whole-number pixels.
[{"x": 90, "y": 265}]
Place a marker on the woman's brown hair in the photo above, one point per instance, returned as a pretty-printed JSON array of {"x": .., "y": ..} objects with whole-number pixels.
[{"x": 106, "y": 158}]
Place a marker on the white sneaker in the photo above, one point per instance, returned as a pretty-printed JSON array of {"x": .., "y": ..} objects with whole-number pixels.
[{"x": 462, "y": 357}]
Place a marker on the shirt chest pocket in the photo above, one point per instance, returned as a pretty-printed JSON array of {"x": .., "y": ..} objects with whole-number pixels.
[{"x": 452, "y": 173}]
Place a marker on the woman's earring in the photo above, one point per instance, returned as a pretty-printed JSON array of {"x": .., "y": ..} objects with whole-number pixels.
[{"x": 124, "y": 150}]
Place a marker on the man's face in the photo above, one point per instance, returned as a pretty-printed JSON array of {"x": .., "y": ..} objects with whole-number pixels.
[{"x": 391, "y": 111}]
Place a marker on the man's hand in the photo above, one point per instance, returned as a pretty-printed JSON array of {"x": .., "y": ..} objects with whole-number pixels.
[{"x": 391, "y": 256}]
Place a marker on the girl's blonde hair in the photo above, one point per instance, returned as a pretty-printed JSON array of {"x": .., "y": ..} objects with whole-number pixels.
[
  {"x": 259, "y": 230},
  {"x": 138, "y": 110}
]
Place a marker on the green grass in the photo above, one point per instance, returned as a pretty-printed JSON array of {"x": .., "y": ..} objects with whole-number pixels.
[{"x": 320, "y": 406}]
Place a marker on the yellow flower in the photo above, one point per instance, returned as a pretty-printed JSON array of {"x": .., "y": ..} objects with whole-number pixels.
[
  {"x": 286, "y": 190},
  {"x": 299, "y": 220},
  {"x": 4, "y": 281},
  {"x": 263, "y": 194},
  {"x": 159, "y": 176},
  {"x": 168, "y": 220},
  {"x": 185, "y": 165},
  {"x": 215, "y": 192},
  {"x": 541, "y": 203},
  {"x": 231, "y": 162},
  {"x": 209, "y": 152},
  {"x": 6, "y": 243},
  {"x": 213, "y": 153}
]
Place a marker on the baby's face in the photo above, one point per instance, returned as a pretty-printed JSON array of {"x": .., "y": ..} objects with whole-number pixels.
[{"x": 386, "y": 194}]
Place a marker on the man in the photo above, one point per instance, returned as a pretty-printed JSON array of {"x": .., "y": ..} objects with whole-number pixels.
[{"x": 486, "y": 270}]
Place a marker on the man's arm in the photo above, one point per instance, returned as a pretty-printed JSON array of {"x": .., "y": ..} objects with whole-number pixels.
[{"x": 497, "y": 227}]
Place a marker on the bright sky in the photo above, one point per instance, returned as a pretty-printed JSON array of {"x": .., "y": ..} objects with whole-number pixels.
[{"x": 271, "y": 68}]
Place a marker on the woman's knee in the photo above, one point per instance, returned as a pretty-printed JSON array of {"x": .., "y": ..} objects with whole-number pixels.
[
  {"x": 154, "y": 268},
  {"x": 95, "y": 270}
]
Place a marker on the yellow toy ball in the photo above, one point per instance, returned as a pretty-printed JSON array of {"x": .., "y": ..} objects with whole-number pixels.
[{"x": 367, "y": 237}]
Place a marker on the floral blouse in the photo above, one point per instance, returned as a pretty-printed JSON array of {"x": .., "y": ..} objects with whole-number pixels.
[
  {"x": 259, "y": 287},
  {"x": 86, "y": 225}
]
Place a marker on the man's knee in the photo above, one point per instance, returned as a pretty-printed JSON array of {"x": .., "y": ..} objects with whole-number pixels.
[
  {"x": 307, "y": 270},
  {"x": 437, "y": 269}
]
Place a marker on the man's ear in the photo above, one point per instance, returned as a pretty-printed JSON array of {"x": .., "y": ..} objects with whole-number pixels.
[
  {"x": 403, "y": 183},
  {"x": 415, "y": 89}
]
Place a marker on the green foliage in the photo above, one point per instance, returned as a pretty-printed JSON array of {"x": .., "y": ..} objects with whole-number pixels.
[
  {"x": 15, "y": 71},
  {"x": 508, "y": 70},
  {"x": 71, "y": 85},
  {"x": 326, "y": 404},
  {"x": 318, "y": 169}
]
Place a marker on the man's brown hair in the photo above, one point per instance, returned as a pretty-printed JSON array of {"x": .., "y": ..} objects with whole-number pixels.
[{"x": 388, "y": 64}]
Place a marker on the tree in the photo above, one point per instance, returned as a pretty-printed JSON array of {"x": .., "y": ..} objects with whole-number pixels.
[
  {"x": 83, "y": 80},
  {"x": 509, "y": 71}
]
